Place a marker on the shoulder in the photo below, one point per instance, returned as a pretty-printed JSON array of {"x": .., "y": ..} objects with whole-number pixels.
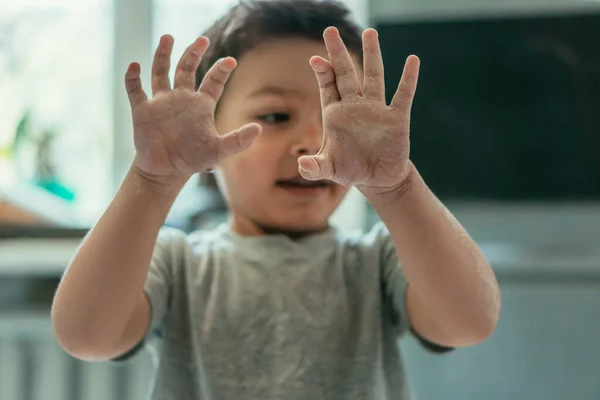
[
  {"x": 373, "y": 247},
  {"x": 169, "y": 243},
  {"x": 179, "y": 249},
  {"x": 173, "y": 238},
  {"x": 375, "y": 239},
  {"x": 168, "y": 236}
]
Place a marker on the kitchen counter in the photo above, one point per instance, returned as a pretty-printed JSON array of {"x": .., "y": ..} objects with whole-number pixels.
[
  {"x": 522, "y": 239},
  {"x": 49, "y": 257}
]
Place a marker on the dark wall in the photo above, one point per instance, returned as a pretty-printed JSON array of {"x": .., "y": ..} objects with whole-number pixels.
[{"x": 506, "y": 109}]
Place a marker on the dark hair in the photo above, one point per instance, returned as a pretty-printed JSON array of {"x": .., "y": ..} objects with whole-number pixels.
[{"x": 250, "y": 22}]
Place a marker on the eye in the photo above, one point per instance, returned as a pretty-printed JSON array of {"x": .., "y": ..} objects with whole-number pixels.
[{"x": 274, "y": 118}]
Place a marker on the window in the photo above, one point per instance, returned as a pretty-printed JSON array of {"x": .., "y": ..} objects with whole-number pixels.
[
  {"x": 185, "y": 20},
  {"x": 65, "y": 127},
  {"x": 55, "y": 85}
]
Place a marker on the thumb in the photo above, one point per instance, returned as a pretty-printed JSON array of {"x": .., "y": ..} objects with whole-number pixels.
[
  {"x": 315, "y": 167},
  {"x": 239, "y": 139}
]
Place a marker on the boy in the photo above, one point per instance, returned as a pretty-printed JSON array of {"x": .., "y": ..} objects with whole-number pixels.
[{"x": 275, "y": 304}]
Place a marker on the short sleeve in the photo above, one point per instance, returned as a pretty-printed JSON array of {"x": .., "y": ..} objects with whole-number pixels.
[{"x": 159, "y": 284}]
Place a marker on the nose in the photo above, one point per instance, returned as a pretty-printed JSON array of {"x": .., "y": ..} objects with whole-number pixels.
[{"x": 308, "y": 138}]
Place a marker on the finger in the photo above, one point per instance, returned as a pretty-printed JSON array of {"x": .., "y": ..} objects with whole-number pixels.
[
  {"x": 133, "y": 84},
  {"x": 408, "y": 85},
  {"x": 161, "y": 65},
  {"x": 238, "y": 140},
  {"x": 373, "y": 82},
  {"x": 315, "y": 167},
  {"x": 326, "y": 79},
  {"x": 343, "y": 66},
  {"x": 185, "y": 74},
  {"x": 216, "y": 77}
]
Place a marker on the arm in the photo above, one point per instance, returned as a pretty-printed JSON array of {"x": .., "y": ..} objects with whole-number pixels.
[
  {"x": 100, "y": 310},
  {"x": 452, "y": 297}
]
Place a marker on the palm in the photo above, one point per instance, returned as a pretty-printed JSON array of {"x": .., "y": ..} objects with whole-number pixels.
[
  {"x": 362, "y": 141},
  {"x": 174, "y": 132},
  {"x": 365, "y": 142},
  {"x": 167, "y": 129}
]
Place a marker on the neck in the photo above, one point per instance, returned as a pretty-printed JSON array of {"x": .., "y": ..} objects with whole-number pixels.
[{"x": 247, "y": 227}]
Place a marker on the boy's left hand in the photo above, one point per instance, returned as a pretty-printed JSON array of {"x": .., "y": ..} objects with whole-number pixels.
[{"x": 365, "y": 141}]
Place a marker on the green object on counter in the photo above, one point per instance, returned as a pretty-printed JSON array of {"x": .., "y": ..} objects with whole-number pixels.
[{"x": 57, "y": 189}]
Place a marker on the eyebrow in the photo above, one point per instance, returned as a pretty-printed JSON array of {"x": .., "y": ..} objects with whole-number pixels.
[{"x": 275, "y": 90}]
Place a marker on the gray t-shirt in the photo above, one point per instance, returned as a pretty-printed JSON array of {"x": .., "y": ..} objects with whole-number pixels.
[{"x": 268, "y": 317}]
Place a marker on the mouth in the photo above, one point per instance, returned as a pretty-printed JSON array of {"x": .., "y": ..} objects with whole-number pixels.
[{"x": 302, "y": 187}]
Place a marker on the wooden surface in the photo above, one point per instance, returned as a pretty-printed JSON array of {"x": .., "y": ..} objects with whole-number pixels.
[{"x": 10, "y": 214}]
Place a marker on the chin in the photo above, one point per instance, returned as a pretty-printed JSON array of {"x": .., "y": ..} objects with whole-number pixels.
[
  {"x": 296, "y": 226},
  {"x": 306, "y": 224}
]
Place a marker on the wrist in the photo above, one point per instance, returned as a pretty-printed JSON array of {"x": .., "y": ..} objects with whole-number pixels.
[
  {"x": 376, "y": 195},
  {"x": 164, "y": 187}
]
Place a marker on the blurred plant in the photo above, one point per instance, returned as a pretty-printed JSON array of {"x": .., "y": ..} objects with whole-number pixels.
[
  {"x": 45, "y": 172},
  {"x": 31, "y": 153},
  {"x": 22, "y": 132},
  {"x": 59, "y": 140}
]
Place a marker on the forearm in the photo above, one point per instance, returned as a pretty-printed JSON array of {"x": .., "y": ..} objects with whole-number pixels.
[
  {"x": 103, "y": 282},
  {"x": 453, "y": 294}
]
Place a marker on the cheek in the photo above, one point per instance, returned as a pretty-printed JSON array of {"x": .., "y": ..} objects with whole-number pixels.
[
  {"x": 255, "y": 167},
  {"x": 339, "y": 192}
]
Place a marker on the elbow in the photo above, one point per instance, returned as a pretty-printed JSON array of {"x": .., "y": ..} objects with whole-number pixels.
[
  {"x": 482, "y": 331},
  {"x": 477, "y": 323},
  {"x": 70, "y": 339},
  {"x": 80, "y": 347},
  {"x": 75, "y": 339},
  {"x": 471, "y": 333},
  {"x": 483, "y": 326}
]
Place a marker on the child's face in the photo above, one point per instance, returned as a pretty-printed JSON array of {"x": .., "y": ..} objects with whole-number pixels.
[{"x": 275, "y": 86}]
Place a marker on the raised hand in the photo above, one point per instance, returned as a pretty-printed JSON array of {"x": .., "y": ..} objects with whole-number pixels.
[
  {"x": 365, "y": 141},
  {"x": 174, "y": 132}
]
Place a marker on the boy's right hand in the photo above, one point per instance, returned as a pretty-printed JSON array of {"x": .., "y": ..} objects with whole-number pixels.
[{"x": 174, "y": 132}]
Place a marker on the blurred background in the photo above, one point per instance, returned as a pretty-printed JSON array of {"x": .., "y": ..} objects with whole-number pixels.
[{"x": 506, "y": 131}]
